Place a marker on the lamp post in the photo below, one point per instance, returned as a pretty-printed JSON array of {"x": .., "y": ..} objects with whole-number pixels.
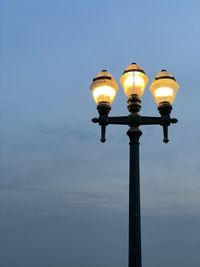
[{"x": 134, "y": 80}]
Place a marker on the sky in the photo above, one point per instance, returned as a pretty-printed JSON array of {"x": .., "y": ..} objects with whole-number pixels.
[{"x": 63, "y": 194}]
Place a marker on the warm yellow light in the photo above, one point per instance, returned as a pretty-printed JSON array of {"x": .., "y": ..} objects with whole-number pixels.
[
  {"x": 134, "y": 81},
  {"x": 104, "y": 87},
  {"x": 164, "y": 92},
  {"x": 104, "y": 93},
  {"x": 164, "y": 87},
  {"x": 133, "y": 84}
]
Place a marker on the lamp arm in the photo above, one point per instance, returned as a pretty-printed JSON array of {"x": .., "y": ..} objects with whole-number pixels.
[
  {"x": 104, "y": 120},
  {"x": 133, "y": 121},
  {"x": 122, "y": 120},
  {"x": 145, "y": 120}
]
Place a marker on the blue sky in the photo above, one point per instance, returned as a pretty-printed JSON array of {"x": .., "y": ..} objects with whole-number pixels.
[{"x": 63, "y": 194}]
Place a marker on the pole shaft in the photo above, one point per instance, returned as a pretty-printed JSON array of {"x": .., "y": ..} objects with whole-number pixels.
[{"x": 135, "y": 258}]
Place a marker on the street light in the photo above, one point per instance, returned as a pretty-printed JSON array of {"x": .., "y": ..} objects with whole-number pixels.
[{"x": 134, "y": 81}]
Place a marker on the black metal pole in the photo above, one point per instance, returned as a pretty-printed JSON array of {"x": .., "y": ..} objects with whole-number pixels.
[
  {"x": 134, "y": 120},
  {"x": 134, "y": 257}
]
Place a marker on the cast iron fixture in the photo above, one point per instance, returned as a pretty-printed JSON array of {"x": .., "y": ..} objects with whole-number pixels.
[{"x": 134, "y": 80}]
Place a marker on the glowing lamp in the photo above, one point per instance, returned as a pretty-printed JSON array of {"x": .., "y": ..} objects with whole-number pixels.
[
  {"x": 134, "y": 81},
  {"x": 164, "y": 88},
  {"x": 104, "y": 88}
]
